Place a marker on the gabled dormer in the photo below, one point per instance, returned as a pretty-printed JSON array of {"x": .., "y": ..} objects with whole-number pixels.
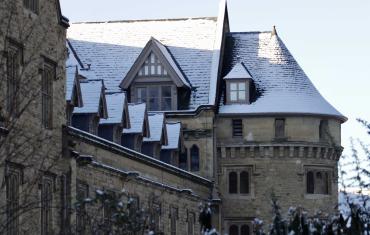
[
  {"x": 156, "y": 79},
  {"x": 238, "y": 82}
]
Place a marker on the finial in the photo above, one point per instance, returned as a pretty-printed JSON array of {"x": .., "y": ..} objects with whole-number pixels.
[
  {"x": 273, "y": 32},
  {"x": 238, "y": 59}
]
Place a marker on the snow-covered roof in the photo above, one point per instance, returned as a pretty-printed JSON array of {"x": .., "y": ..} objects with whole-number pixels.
[
  {"x": 137, "y": 114},
  {"x": 238, "y": 72},
  {"x": 70, "y": 83},
  {"x": 91, "y": 93},
  {"x": 282, "y": 86},
  {"x": 115, "y": 106},
  {"x": 173, "y": 135},
  {"x": 156, "y": 125},
  {"x": 112, "y": 47}
]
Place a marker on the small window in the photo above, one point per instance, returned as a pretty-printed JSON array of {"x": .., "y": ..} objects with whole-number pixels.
[
  {"x": 81, "y": 194},
  {"x": 48, "y": 76},
  {"x": 233, "y": 182},
  {"x": 244, "y": 230},
  {"x": 244, "y": 182},
  {"x": 323, "y": 130},
  {"x": 157, "y": 98},
  {"x": 237, "y": 92},
  {"x": 237, "y": 127},
  {"x": 279, "y": 128},
  {"x": 46, "y": 205},
  {"x": 32, "y": 5},
  {"x": 156, "y": 216},
  {"x": 65, "y": 201},
  {"x": 183, "y": 160},
  {"x": 233, "y": 230},
  {"x": 194, "y": 158},
  {"x": 94, "y": 122},
  {"x": 318, "y": 182},
  {"x": 191, "y": 220}
]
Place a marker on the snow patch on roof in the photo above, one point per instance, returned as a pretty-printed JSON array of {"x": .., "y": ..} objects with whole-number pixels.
[
  {"x": 156, "y": 125},
  {"x": 137, "y": 116},
  {"x": 283, "y": 86},
  {"x": 70, "y": 83},
  {"x": 238, "y": 72},
  {"x": 115, "y": 106},
  {"x": 173, "y": 135},
  {"x": 91, "y": 93}
]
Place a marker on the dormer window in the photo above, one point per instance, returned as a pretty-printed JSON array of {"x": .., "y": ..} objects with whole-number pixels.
[
  {"x": 237, "y": 85},
  {"x": 157, "y": 97}
]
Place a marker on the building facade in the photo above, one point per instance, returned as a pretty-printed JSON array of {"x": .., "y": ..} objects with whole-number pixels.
[{"x": 174, "y": 111}]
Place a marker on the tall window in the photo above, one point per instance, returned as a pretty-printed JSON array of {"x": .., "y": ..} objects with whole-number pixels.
[
  {"x": 183, "y": 160},
  {"x": 13, "y": 181},
  {"x": 32, "y": 5},
  {"x": 157, "y": 97},
  {"x": 279, "y": 128},
  {"x": 174, "y": 216},
  {"x": 46, "y": 205},
  {"x": 194, "y": 158},
  {"x": 323, "y": 130},
  {"x": 191, "y": 220},
  {"x": 156, "y": 216},
  {"x": 237, "y": 92},
  {"x": 14, "y": 58},
  {"x": 239, "y": 181},
  {"x": 237, "y": 127},
  {"x": 65, "y": 196},
  {"x": 244, "y": 229},
  {"x": 233, "y": 230},
  {"x": 82, "y": 194},
  {"x": 48, "y": 76},
  {"x": 318, "y": 182},
  {"x": 239, "y": 228},
  {"x": 233, "y": 182}
]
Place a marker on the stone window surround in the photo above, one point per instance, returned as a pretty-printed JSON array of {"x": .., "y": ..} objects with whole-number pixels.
[
  {"x": 238, "y": 169},
  {"x": 32, "y": 6},
  {"x": 238, "y": 222},
  {"x": 49, "y": 66},
  {"x": 47, "y": 180},
  {"x": 191, "y": 220},
  {"x": 228, "y": 91},
  {"x": 280, "y": 136},
  {"x": 322, "y": 168},
  {"x": 174, "y": 216}
]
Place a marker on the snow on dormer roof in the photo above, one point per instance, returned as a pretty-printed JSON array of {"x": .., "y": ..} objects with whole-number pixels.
[
  {"x": 115, "y": 106},
  {"x": 173, "y": 134},
  {"x": 137, "y": 114},
  {"x": 238, "y": 72},
  {"x": 156, "y": 126},
  {"x": 91, "y": 91}
]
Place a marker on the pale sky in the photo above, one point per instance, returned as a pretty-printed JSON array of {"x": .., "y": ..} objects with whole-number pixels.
[{"x": 330, "y": 39}]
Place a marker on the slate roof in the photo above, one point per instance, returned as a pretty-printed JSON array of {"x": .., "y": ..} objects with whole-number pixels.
[
  {"x": 156, "y": 125},
  {"x": 173, "y": 135},
  {"x": 282, "y": 86},
  {"x": 237, "y": 72},
  {"x": 115, "y": 107},
  {"x": 70, "y": 83},
  {"x": 137, "y": 116},
  {"x": 112, "y": 47},
  {"x": 91, "y": 93}
]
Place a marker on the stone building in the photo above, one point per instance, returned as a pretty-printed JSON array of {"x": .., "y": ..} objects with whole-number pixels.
[{"x": 175, "y": 111}]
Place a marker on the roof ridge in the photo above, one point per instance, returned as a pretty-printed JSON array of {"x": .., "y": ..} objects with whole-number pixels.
[
  {"x": 250, "y": 32},
  {"x": 147, "y": 20}
]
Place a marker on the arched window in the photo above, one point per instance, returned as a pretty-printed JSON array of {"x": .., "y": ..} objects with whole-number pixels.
[
  {"x": 233, "y": 182},
  {"x": 244, "y": 230},
  {"x": 244, "y": 182},
  {"x": 183, "y": 160},
  {"x": 310, "y": 182},
  {"x": 194, "y": 158},
  {"x": 233, "y": 230}
]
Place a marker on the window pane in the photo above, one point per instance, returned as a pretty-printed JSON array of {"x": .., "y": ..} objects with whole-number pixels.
[
  {"x": 166, "y": 91},
  {"x": 152, "y": 58},
  {"x": 153, "y": 98},
  {"x": 233, "y": 86},
  {"x": 183, "y": 160},
  {"x": 152, "y": 69},
  {"x": 166, "y": 104},
  {"x": 310, "y": 182},
  {"x": 233, "y": 95},
  {"x": 279, "y": 128},
  {"x": 244, "y": 182},
  {"x": 242, "y": 95},
  {"x": 141, "y": 94},
  {"x": 241, "y": 86},
  {"x": 233, "y": 182},
  {"x": 146, "y": 70},
  {"x": 164, "y": 71}
]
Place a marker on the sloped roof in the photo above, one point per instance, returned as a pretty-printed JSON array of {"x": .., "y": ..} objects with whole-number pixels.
[
  {"x": 112, "y": 47},
  {"x": 156, "y": 125},
  {"x": 137, "y": 116},
  {"x": 91, "y": 93},
  {"x": 238, "y": 72},
  {"x": 173, "y": 135},
  {"x": 115, "y": 106},
  {"x": 71, "y": 73},
  {"x": 282, "y": 86}
]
